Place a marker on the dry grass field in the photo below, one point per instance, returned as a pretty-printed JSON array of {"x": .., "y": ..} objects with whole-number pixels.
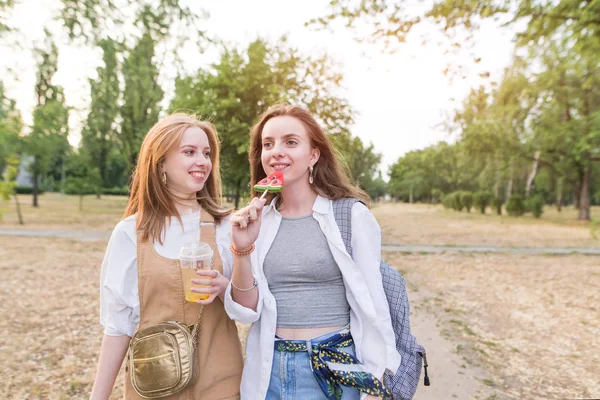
[
  {"x": 424, "y": 224},
  {"x": 531, "y": 322}
]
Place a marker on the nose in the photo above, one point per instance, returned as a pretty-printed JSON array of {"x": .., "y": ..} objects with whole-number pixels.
[
  {"x": 201, "y": 160},
  {"x": 278, "y": 150}
]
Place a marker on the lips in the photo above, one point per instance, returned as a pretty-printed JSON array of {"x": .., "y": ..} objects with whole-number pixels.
[
  {"x": 198, "y": 175},
  {"x": 279, "y": 167}
]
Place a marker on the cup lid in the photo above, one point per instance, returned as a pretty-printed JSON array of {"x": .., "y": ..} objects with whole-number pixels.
[{"x": 195, "y": 251}]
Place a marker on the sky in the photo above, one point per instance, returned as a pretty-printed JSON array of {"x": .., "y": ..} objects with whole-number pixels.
[{"x": 400, "y": 99}]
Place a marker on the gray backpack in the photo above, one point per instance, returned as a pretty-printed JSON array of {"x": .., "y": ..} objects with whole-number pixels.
[{"x": 403, "y": 384}]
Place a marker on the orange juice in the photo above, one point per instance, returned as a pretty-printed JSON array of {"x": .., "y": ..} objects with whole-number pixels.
[{"x": 192, "y": 257}]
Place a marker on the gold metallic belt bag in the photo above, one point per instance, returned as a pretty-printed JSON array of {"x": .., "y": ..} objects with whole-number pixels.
[{"x": 162, "y": 358}]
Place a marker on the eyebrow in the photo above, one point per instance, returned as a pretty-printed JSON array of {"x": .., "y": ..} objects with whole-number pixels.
[
  {"x": 192, "y": 146},
  {"x": 287, "y": 136}
]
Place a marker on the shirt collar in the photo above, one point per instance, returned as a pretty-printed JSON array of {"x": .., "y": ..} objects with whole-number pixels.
[{"x": 320, "y": 206}]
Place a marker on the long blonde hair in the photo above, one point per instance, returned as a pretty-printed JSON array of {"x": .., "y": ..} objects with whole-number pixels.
[
  {"x": 150, "y": 198},
  {"x": 331, "y": 179}
]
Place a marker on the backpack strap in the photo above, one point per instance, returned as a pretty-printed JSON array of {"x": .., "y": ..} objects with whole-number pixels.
[{"x": 342, "y": 211}]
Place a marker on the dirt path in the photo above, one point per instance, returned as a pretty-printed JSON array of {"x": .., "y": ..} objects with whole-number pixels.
[
  {"x": 401, "y": 248},
  {"x": 450, "y": 377}
]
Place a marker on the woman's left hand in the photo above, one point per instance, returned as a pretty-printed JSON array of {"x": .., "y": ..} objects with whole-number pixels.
[{"x": 214, "y": 284}]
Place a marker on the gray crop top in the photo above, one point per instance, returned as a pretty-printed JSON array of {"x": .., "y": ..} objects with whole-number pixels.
[{"x": 304, "y": 278}]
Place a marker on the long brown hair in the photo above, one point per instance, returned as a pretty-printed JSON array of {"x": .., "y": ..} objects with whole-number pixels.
[
  {"x": 331, "y": 178},
  {"x": 150, "y": 198}
]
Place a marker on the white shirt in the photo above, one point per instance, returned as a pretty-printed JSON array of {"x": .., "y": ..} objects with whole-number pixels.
[
  {"x": 370, "y": 321},
  {"x": 119, "y": 299}
]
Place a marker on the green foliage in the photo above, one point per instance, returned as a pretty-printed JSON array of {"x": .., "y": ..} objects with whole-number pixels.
[
  {"x": 482, "y": 200},
  {"x": 10, "y": 128},
  {"x": 375, "y": 188},
  {"x": 497, "y": 204},
  {"x": 436, "y": 195},
  {"x": 546, "y": 102},
  {"x": 515, "y": 206},
  {"x": 90, "y": 19},
  {"x": 116, "y": 191},
  {"x": 26, "y": 190},
  {"x": 236, "y": 90},
  {"x": 442, "y": 166},
  {"x": 141, "y": 98},
  {"x": 47, "y": 142},
  {"x": 98, "y": 136},
  {"x": 454, "y": 201},
  {"x": 535, "y": 205},
  {"x": 466, "y": 198},
  {"x": 83, "y": 177}
]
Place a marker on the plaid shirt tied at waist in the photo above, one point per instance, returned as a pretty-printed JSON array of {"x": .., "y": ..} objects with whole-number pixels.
[{"x": 333, "y": 367}]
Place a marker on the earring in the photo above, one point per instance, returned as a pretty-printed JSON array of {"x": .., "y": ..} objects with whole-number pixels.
[
  {"x": 164, "y": 178},
  {"x": 311, "y": 179}
]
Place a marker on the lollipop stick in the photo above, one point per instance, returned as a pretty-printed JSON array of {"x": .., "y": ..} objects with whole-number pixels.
[{"x": 265, "y": 192}]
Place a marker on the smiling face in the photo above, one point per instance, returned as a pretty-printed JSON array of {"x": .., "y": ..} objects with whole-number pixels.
[
  {"x": 188, "y": 163},
  {"x": 286, "y": 148}
]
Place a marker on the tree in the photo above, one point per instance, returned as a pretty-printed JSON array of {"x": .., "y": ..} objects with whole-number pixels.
[
  {"x": 141, "y": 98},
  {"x": 94, "y": 20},
  {"x": 235, "y": 91},
  {"x": 10, "y": 129},
  {"x": 563, "y": 37},
  {"x": 47, "y": 142},
  {"x": 362, "y": 161},
  {"x": 98, "y": 136},
  {"x": 82, "y": 177}
]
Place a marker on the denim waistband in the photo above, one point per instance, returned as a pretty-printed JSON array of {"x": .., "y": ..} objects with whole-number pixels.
[{"x": 333, "y": 367}]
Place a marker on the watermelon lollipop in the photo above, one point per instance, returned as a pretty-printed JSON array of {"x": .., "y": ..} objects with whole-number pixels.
[{"x": 272, "y": 183}]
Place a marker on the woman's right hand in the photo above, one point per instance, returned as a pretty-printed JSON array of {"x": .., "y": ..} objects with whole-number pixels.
[{"x": 245, "y": 224}]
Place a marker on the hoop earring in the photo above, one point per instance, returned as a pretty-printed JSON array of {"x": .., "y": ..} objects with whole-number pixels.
[
  {"x": 311, "y": 179},
  {"x": 164, "y": 178}
]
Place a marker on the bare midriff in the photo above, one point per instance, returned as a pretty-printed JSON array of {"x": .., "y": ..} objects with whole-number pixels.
[{"x": 304, "y": 333}]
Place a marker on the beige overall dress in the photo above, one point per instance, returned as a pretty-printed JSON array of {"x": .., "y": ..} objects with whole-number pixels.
[{"x": 161, "y": 299}]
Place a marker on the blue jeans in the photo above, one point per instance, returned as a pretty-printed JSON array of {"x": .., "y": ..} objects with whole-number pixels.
[{"x": 292, "y": 377}]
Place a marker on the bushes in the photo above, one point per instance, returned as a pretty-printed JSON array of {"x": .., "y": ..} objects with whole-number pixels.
[
  {"x": 27, "y": 190},
  {"x": 535, "y": 205},
  {"x": 515, "y": 206},
  {"x": 466, "y": 198},
  {"x": 116, "y": 191},
  {"x": 497, "y": 204},
  {"x": 453, "y": 201},
  {"x": 482, "y": 200},
  {"x": 436, "y": 195}
]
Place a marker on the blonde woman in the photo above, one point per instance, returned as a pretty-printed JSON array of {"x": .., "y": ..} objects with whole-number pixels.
[
  {"x": 176, "y": 181},
  {"x": 321, "y": 327}
]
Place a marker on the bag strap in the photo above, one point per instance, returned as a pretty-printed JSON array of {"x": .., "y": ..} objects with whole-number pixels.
[
  {"x": 197, "y": 328},
  {"x": 342, "y": 211}
]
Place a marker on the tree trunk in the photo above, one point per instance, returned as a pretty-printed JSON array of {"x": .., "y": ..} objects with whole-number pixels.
[
  {"x": 584, "y": 194},
  {"x": 533, "y": 173},
  {"x": 410, "y": 200},
  {"x": 18, "y": 207},
  {"x": 498, "y": 177},
  {"x": 509, "y": 186},
  {"x": 35, "y": 187},
  {"x": 559, "y": 194},
  {"x": 238, "y": 193},
  {"x": 80, "y": 202}
]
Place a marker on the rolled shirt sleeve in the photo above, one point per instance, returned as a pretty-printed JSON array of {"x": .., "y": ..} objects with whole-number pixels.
[{"x": 119, "y": 302}]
